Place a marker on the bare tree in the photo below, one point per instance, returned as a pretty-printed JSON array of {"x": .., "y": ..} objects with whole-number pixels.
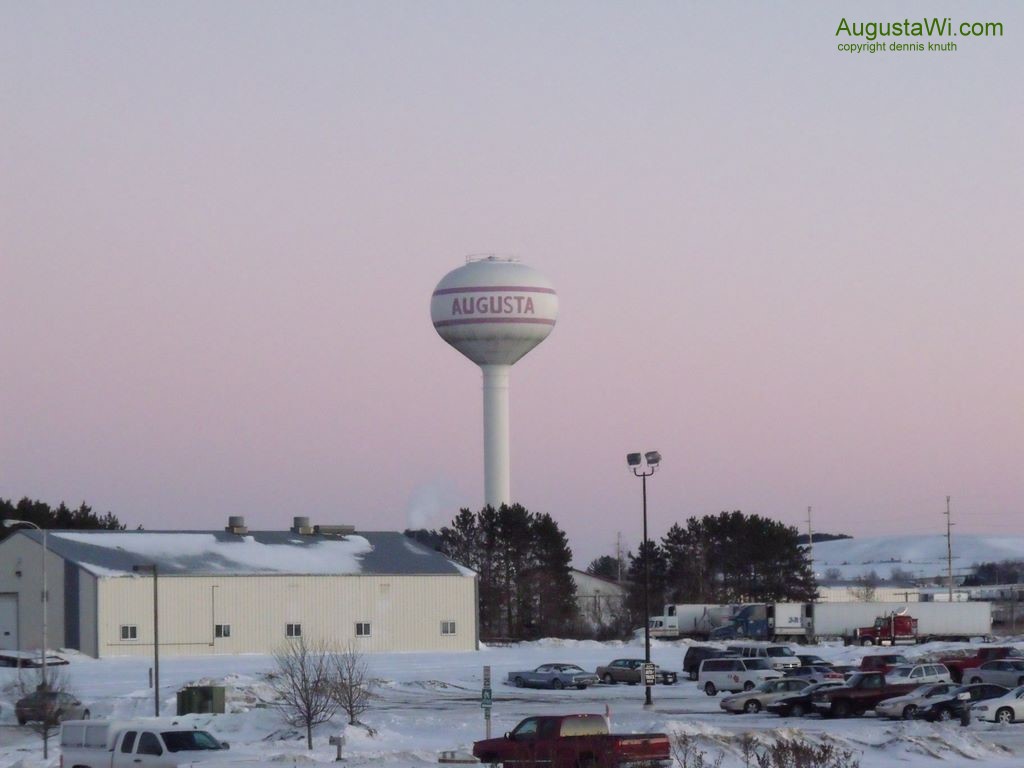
[
  {"x": 351, "y": 684},
  {"x": 45, "y": 702},
  {"x": 303, "y": 682},
  {"x": 833, "y": 574},
  {"x": 866, "y": 587}
]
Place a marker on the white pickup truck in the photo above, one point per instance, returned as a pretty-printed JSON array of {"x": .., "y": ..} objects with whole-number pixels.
[{"x": 144, "y": 743}]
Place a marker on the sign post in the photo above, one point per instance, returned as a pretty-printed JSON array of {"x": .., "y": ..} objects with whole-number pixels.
[
  {"x": 650, "y": 676},
  {"x": 486, "y": 699}
]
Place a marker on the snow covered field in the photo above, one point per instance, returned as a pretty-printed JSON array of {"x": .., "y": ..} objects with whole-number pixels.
[
  {"x": 923, "y": 556},
  {"x": 427, "y": 703}
]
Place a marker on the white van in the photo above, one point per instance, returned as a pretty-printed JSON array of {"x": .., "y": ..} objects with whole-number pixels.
[
  {"x": 734, "y": 674},
  {"x": 151, "y": 742},
  {"x": 781, "y": 657}
]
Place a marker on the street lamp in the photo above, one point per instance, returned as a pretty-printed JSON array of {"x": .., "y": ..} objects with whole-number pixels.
[
  {"x": 156, "y": 636},
  {"x": 45, "y": 599},
  {"x": 644, "y": 466}
]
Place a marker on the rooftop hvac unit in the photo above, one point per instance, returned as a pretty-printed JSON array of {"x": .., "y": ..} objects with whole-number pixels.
[
  {"x": 334, "y": 530},
  {"x": 236, "y": 524}
]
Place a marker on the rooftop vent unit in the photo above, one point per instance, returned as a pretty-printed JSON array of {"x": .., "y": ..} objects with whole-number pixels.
[
  {"x": 236, "y": 524},
  {"x": 301, "y": 526},
  {"x": 335, "y": 530}
]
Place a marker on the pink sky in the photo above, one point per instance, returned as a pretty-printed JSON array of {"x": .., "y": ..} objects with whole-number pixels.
[{"x": 796, "y": 273}]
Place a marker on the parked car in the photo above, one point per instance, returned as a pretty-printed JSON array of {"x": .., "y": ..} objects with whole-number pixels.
[
  {"x": 814, "y": 674},
  {"x": 906, "y": 706},
  {"x": 799, "y": 704},
  {"x": 957, "y": 664},
  {"x": 862, "y": 692},
  {"x": 882, "y": 662},
  {"x": 810, "y": 660},
  {"x": 781, "y": 657},
  {"x": 49, "y": 707},
  {"x": 553, "y": 676},
  {"x": 568, "y": 741},
  {"x": 632, "y": 671},
  {"x": 766, "y": 693},
  {"x": 29, "y": 660},
  {"x": 153, "y": 743},
  {"x": 919, "y": 673},
  {"x": 845, "y": 669},
  {"x": 1008, "y": 672},
  {"x": 950, "y": 706},
  {"x": 734, "y": 674},
  {"x": 1008, "y": 708},
  {"x": 695, "y": 654}
]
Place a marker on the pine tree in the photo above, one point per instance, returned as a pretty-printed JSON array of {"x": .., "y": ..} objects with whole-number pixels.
[
  {"x": 654, "y": 555},
  {"x": 553, "y": 587}
]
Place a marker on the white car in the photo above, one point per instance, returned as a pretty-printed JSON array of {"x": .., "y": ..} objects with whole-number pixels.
[
  {"x": 734, "y": 674},
  {"x": 918, "y": 673},
  {"x": 766, "y": 693},
  {"x": 906, "y": 706},
  {"x": 1008, "y": 672},
  {"x": 1008, "y": 708}
]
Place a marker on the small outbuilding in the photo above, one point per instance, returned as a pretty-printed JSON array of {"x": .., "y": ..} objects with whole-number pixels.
[{"x": 234, "y": 591}]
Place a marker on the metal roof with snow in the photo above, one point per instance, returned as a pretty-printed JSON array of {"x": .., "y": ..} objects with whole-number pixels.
[{"x": 221, "y": 553}]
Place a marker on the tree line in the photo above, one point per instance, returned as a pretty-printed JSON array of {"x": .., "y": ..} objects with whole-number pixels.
[
  {"x": 59, "y": 517},
  {"x": 725, "y": 558},
  {"x": 523, "y": 561},
  {"x": 524, "y": 567}
]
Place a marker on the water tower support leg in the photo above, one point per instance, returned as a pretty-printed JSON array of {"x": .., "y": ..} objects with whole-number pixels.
[{"x": 496, "y": 438}]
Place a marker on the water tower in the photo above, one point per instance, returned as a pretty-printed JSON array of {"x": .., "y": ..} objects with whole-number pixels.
[{"x": 494, "y": 310}]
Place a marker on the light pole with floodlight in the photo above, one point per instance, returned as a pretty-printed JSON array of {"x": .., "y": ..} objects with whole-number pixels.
[
  {"x": 635, "y": 461},
  {"x": 9, "y": 523},
  {"x": 156, "y": 635}
]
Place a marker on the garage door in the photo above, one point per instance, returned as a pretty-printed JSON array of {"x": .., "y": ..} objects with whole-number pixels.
[{"x": 8, "y": 622}]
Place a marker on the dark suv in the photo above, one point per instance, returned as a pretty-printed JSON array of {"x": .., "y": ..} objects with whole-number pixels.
[{"x": 695, "y": 654}]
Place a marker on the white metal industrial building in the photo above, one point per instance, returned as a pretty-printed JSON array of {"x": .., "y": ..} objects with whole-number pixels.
[{"x": 234, "y": 591}]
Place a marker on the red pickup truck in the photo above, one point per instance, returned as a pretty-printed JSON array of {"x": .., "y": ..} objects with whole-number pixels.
[
  {"x": 572, "y": 741},
  {"x": 882, "y": 662},
  {"x": 862, "y": 692},
  {"x": 957, "y": 665}
]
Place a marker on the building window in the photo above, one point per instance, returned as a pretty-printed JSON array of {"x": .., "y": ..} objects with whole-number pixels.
[
  {"x": 293, "y": 630},
  {"x": 222, "y": 630},
  {"x": 129, "y": 632},
  {"x": 447, "y": 627},
  {"x": 362, "y": 629}
]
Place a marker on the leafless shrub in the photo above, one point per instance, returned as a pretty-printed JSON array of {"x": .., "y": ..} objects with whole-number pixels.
[
  {"x": 793, "y": 753},
  {"x": 687, "y": 754},
  {"x": 351, "y": 685},
  {"x": 304, "y": 684},
  {"x": 48, "y": 694}
]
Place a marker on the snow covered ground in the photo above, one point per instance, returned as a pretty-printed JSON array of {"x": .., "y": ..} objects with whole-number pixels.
[
  {"x": 427, "y": 703},
  {"x": 923, "y": 556}
]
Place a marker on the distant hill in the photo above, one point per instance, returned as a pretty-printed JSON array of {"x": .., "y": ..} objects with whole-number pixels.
[
  {"x": 802, "y": 538},
  {"x": 923, "y": 556}
]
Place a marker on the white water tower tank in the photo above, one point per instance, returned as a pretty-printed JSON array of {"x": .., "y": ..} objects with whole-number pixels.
[{"x": 494, "y": 310}]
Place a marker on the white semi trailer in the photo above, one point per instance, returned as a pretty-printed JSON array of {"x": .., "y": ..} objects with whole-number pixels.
[
  {"x": 690, "y": 619},
  {"x": 938, "y": 621}
]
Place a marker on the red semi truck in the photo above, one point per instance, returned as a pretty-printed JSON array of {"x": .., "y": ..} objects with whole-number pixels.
[
  {"x": 894, "y": 629},
  {"x": 572, "y": 741}
]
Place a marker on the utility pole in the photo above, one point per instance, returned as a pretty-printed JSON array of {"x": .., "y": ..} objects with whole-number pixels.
[
  {"x": 949, "y": 548},
  {"x": 810, "y": 537},
  {"x": 618, "y": 554}
]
